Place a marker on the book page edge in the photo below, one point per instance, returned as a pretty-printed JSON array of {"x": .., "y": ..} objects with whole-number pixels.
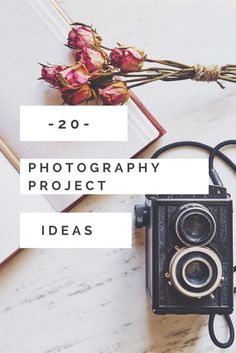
[{"x": 12, "y": 158}]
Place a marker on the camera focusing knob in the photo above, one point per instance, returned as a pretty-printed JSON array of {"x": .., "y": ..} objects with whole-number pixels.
[{"x": 140, "y": 216}]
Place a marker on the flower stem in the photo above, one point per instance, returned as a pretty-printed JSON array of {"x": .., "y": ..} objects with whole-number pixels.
[
  {"x": 141, "y": 79},
  {"x": 151, "y": 80},
  {"x": 136, "y": 75},
  {"x": 158, "y": 69},
  {"x": 172, "y": 75},
  {"x": 227, "y": 78},
  {"x": 220, "y": 84},
  {"x": 142, "y": 83},
  {"x": 106, "y": 48},
  {"x": 168, "y": 63}
]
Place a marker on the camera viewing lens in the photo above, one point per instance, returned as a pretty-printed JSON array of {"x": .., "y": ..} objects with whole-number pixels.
[
  {"x": 194, "y": 224},
  {"x": 195, "y": 271}
]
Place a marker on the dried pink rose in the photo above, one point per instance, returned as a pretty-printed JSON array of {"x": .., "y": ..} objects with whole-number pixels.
[
  {"x": 127, "y": 59},
  {"x": 77, "y": 96},
  {"x": 114, "y": 94},
  {"x": 74, "y": 76},
  {"x": 82, "y": 35},
  {"x": 51, "y": 74},
  {"x": 94, "y": 59}
]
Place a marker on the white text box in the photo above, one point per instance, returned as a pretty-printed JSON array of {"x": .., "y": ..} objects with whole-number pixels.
[
  {"x": 114, "y": 176},
  {"x": 75, "y": 230},
  {"x": 73, "y": 123}
]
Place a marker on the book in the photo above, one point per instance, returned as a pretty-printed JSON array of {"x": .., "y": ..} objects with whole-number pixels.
[
  {"x": 36, "y": 34},
  {"x": 12, "y": 203},
  {"x": 40, "y": 28}
]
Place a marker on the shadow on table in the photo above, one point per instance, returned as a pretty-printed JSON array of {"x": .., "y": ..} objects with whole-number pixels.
[{"x": 175, "y": 333}]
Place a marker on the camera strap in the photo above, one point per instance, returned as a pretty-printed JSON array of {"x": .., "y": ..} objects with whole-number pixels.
[{"x": 216, "y": 180}]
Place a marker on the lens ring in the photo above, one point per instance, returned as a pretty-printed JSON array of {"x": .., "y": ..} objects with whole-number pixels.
[
  {"x": 192, "y": 255},
  {"x": 187, "y": 254},
  {"x": 203, "y": 280},
  {"x": 194, "y": 224}
]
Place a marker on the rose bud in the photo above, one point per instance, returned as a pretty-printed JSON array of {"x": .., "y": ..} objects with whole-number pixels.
[
  {"x": 83, "y": 35},
  {"x": 114, "y": 93},
  {"x": 127, "y": 59},
  {"x": 94, "y": 59},
  {"x": 74, "y": 76},
  {"x": 77, "y": 96},
  {"x": 51, "y": 74}
]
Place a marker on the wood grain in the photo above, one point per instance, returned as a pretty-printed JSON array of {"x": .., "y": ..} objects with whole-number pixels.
[{"x": 94, "y": 301}]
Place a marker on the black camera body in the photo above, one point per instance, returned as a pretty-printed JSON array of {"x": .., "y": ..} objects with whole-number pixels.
[{"x": 189, "y": 252}]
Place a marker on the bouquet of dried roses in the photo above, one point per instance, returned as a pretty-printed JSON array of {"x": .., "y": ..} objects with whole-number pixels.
[{"x": 106, "y": 75}]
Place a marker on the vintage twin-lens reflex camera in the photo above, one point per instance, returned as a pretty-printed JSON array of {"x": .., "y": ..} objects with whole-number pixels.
[{"x": 189, "y": 256}]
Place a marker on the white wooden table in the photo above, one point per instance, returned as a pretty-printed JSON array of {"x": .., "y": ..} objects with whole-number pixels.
[{"x": 94, "y": 301}]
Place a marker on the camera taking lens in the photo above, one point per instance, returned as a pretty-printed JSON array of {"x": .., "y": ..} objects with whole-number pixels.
[
  {"x": 194, "y": 224},
  {"x": 195, "y": 271}
]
